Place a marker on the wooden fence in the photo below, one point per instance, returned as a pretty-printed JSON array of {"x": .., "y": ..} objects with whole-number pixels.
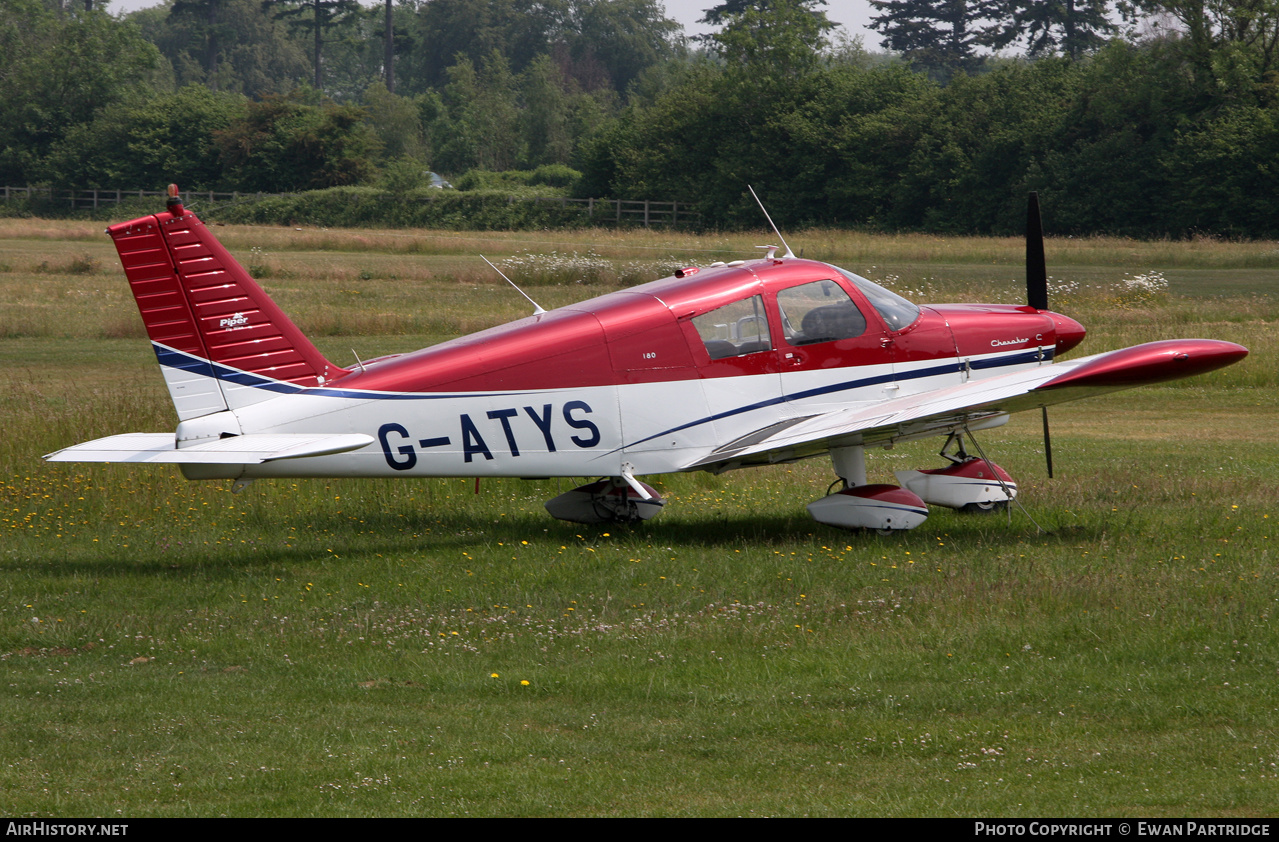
[
  {"x": 632, "y": 211},
  {"x": 620, "y": 212},
  {"x": 86, "y": 199}
]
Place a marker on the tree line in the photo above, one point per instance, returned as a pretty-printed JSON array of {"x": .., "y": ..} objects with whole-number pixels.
[{"x": 1147, "y": 120}]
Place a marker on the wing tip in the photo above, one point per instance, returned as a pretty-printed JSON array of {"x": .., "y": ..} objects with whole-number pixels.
[{"x": 1153, "y": 362}]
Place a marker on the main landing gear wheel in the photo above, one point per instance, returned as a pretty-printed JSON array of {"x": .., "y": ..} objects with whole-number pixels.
[
  {"x": 608, "y": 500},
  {"x": 883, "y": 508},
  {"x": 988, "y": 507},
  {"x": 859, "y": 505}
]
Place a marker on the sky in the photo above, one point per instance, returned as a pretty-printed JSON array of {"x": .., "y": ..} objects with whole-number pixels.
[{"x": 854, "y": 15}]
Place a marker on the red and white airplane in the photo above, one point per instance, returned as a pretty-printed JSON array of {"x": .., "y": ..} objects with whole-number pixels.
[{"x": 726, "y": 366}]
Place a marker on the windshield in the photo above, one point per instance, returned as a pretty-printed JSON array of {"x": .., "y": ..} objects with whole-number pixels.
[{"x": 895, "y": 310}]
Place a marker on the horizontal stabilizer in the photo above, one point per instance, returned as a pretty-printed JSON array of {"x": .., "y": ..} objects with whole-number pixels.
[{"x": 158, "y": 448}]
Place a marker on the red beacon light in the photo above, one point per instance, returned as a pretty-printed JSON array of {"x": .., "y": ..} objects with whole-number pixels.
[{"x": 174, "y": 202}]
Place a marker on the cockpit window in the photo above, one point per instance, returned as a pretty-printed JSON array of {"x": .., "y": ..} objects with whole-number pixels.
[
  {"x": 735, "y": 330},
  {"x": 895, "y": 310},
  {"x": 819, "y": 312}
]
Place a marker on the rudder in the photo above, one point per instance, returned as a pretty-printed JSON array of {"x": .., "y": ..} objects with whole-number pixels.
[{"x": 221, "y": 341}]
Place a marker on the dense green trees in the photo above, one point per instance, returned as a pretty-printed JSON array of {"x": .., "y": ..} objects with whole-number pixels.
[
  {"x": 287, "y": 143},
  {"x": 226, "y": 45},
  {"x": 491, "y": 118},
  {"x": 948, "y": 36},
  {"x": 1174, "y": 133},
  {"x": 57, "y": 67},
  {"x": 942, "y": 36},
  {"x": 1070, "y": 27},
  {"x": 597, "y": 43},
  {"x": 1127, "y": 142},
  {"x": 774, "y": 37},
  {"x": 147, "y": 143},
  {"x": 319, "y": 19}
]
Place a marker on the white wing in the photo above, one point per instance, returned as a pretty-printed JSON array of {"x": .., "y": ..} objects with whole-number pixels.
[{"x": 974, "y": 403}]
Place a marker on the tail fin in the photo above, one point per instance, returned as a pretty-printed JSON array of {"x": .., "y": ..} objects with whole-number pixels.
[{"x": 221, "y": 341}]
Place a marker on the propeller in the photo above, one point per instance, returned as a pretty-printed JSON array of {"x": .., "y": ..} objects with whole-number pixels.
[
  {"x": 1036, "y": 267},
  {"x": 1037, "y": 290},
  {"x": 1048, "y": 442}
]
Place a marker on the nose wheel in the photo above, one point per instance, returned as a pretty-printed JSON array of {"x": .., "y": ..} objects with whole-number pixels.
[{"x": 985, "y": 508}]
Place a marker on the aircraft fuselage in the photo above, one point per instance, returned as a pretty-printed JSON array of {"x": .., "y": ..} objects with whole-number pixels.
[{"x": 630, "y": 377}]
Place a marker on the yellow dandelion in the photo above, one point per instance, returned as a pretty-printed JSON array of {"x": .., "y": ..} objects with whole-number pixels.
[{"x": 524, "y": 682}]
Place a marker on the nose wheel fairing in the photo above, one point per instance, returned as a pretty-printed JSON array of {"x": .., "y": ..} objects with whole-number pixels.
[{"x": 971, "y": 485}]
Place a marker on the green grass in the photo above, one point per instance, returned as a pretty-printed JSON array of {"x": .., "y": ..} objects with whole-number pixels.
[{"x": 328, "y": 647}]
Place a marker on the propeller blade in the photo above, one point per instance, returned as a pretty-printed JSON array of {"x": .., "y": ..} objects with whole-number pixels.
[
  {"x": 1036, "y": 266},
  {"x": 1048, "y": 442}
]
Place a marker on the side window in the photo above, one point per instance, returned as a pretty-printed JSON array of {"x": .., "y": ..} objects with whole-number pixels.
[
  {"x": 819, "y": 312},
  {"x": 735, "y": 330}
]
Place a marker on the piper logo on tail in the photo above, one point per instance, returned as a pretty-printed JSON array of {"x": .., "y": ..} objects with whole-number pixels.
[{"x": 235, "y": 322}]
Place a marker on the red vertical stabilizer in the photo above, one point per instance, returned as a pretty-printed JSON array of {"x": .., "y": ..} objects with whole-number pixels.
[{"x": 196, "y": 299}]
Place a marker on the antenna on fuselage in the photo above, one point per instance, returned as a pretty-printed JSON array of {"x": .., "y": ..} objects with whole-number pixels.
[
  {"x": 537, "y": 308},
  {"x": 788, "y": 253}
]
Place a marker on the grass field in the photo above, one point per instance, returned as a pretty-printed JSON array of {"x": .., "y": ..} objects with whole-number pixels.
[{"x": 347, "y": 648}]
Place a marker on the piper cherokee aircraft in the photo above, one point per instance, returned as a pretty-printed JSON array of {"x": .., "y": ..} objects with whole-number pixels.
[{"x": 731, "y": 365}]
